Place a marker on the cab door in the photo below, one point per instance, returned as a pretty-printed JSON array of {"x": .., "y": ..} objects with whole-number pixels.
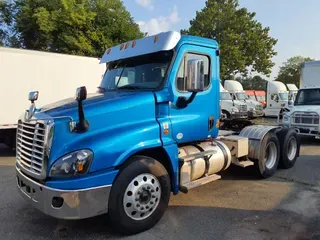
[{"x": 198, "y": 120}]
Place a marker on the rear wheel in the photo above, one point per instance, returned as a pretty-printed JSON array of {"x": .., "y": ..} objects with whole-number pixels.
[
  {"x": 289, "y": 147},
  {"x": 139, "y": 196},
  {"x": 269, "y": 155}
]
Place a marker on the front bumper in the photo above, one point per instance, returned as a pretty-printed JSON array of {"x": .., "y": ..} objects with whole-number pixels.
[
  {"x": 255, "y": 114},
  {"x": 76, "y": 204},
  {"x": 239, "y": 115}
]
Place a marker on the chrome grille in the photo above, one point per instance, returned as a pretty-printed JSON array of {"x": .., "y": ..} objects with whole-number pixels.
[
  {"x": 306, "y": 118},
  {"x": 31, "y": 146},
  {"x": 243, "y": 108},
  {"x": 259, "y": 108}
]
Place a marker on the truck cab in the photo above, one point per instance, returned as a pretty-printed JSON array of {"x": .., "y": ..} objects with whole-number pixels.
[
  {"x": 232, "y": 109},
  {"x": 151, "y": 130},
  {"x": 304, "y": 114},
  {"x": 257, "y": 95},
  {"x": 235, "y": 88},
  {"x": 277, "y": 98}
]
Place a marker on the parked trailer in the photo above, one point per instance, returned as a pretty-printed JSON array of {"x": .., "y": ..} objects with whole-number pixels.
[
  {"x": 54, "y": 75},
  {"x": 153, "y": 129}
]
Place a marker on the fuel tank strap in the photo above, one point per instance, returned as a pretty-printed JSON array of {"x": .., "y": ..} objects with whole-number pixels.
[{"x": 206, "y": 159}]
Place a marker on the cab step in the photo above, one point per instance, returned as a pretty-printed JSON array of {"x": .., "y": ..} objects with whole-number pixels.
[
  {"x": 199, "y": 182},
  {"x": 243, "y": 164}
]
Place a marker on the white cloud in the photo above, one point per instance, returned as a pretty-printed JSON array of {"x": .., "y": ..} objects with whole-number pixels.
[
  {"x": 145, "y": 3},
  {"x": 160, "y": 24}
]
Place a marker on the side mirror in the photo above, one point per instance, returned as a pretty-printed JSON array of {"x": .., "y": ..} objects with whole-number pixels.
[
  {"x": 195, "y": 75},
  {"x": 81, "y": 94},
  {"x": 83, "y": 124},
  {"x": 33, "y": 96}
]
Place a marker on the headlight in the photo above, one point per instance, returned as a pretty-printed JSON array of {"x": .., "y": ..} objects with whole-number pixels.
[
  {"x": 72, "y": 164},
  {"x": 234, "y": 109}
]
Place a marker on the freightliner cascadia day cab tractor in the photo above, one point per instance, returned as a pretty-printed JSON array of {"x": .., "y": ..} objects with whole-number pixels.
[
  {"x": 304, "y": 114},
  {"x": 255, "y": 109},
  {"x": 152, "y": 129},
  {"x": 232, "y": 109},
  {"x": 277, "y": 98}
]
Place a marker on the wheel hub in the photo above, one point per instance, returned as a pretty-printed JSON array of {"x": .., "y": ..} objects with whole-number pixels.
[{"x": 142, "y": 196}]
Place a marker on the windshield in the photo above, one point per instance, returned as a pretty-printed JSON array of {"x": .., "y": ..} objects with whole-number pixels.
[
  {"x": 284, "y": 96},
  {"x": 242, "y": 96},
  {"x": 261, "y": 98},
  {"x": 141, "y": 72},
  {"x": 225, "y": 96},
  {"x": 252, "y": 97},
  {"x": 308, "y": 97}
]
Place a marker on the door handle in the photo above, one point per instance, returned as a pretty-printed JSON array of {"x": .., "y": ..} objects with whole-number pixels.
[{"x": 210, "y": 123}]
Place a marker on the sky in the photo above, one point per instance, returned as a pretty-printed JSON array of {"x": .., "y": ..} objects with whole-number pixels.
[{"x": 294, "y": 23}]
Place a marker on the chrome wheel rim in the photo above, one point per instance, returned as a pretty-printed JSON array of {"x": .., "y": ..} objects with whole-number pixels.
[
  {"x": 292, "y": 148},
  {"x": 142, "y": 196},
  {"x": 271, "y": 155}
]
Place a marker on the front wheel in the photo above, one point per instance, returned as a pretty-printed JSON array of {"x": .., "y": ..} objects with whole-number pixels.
[{"x": 139, "y": 196}]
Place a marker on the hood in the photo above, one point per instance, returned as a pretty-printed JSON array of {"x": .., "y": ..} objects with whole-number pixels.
[
  {"x": 111, "y": 114},
  {"x": 96, "y": 104},
  {"x": 306, "y": 108}
]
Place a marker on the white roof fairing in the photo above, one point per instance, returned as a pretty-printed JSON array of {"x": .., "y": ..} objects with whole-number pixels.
[{"x": 166, "y": 41}]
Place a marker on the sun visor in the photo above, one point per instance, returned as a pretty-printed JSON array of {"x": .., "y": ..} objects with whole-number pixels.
[{"x": 160, "y": 42}]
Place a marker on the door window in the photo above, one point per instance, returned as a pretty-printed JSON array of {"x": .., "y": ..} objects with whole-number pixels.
[{"x": 181, "y": 81}]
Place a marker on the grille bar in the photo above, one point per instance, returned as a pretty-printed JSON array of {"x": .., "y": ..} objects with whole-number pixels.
[
  {"x": 30, "y": 146},
  {"x": 28, "y": 143}
]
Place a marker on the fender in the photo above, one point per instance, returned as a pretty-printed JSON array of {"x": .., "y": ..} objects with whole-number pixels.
[{"x": 255, "y": 134}]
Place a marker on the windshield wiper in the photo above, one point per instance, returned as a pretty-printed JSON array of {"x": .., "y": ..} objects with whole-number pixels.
[{"x": 129, "y": 87}]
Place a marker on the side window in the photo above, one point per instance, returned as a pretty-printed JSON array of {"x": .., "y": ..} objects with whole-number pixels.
[{"x": 181, "y": 78}]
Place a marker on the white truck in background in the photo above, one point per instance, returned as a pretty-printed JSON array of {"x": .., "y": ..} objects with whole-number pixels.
[
  {"x": 304, "y": 115},
  {"x": 232, "y": 109},
  {"x": 54, "y": 75},
  {"x": 277, "y": 98},
  {"x": 255, "y": 109},
  {"x": 293, "y": 90}
]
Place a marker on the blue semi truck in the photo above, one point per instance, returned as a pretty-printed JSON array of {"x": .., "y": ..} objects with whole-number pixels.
[{"x": 151, "y": 129}]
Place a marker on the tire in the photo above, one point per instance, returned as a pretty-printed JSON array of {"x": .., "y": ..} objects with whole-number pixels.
[
  {"x": 289, "y": 148},
  {"x": 130, "y": 212},
  {"x": 228, "y": 115},
  {"x": 269, "y": 156}
]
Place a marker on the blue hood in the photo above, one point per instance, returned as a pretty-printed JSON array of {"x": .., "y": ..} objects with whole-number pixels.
[{"x": 119, "y": 123}]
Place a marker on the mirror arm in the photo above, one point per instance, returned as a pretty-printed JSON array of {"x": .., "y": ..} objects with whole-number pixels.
[
  {"x": 83, "y": 125},
  {"x": 183, "y": 102}
]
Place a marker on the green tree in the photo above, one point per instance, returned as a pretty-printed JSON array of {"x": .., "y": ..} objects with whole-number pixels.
[
  {"x": 290, "y": 70},
  {"x": 253, "y": 83},
  {"x": 81, "y": 27},
  {"x": 7, "y": 33},
  {"x": 244, "y": 43}
]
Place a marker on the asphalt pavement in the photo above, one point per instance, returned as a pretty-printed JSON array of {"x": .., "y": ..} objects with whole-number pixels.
[{"x": 239, "y": 206}]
